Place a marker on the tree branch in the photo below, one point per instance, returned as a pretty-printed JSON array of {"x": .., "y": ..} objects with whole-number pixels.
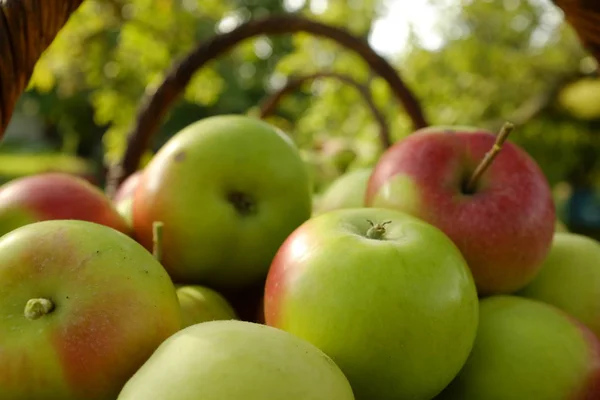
[
  {"x": 154, "y": 107},
  {"x": 27, "y": 28},
  {"x": 270, "y": 104},
  {"x": 584, "y": 17}
]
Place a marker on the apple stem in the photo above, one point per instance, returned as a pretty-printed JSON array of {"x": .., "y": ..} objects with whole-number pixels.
[
  {"x": 489, "y": 156},
  {"x": 36, "y": 308},
  {"x": 157, "y": 236},
  {"x": 376, "y": 231}
]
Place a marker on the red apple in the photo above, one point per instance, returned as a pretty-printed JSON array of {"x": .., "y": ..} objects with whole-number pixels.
[
  {"x": 82, "y": 307},
  {"x": 52, "y": 196},
  {"x": 503, "y": 225},
  {"x": 393, "y": 304}
]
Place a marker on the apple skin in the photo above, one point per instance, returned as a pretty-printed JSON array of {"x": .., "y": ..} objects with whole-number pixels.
[
  {"x": 504, "y": 230},
  {"x": 128, "y": 187},
  {"x": 237, "y": 360},
  {"x": 201, "y": 304},
  {"x": 123, "y": 198},
  {"x": 570, "y": 278},
  {"x": 54, "y": 196},
  {"x": 347, "y": 191},
  {"x": 113, "y": 305},
  {"x": 398, "y": 315},
  {"x": 526, "y": 350},
  {"x": 229, "y": 190}
]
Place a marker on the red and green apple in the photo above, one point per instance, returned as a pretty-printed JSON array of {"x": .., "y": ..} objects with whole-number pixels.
[
  {"x": 82, "y": 307},
  {"x": 55, "y": 196},
  {"x": 502, "y": 222},
  {"x": 526, "y": 349},
  {"x": 387, "y": 296},
  {"x": 123, "y": 198}
]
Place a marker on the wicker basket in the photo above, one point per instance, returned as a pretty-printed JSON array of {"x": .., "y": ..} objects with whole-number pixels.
[{"x": 28, "y": 27}]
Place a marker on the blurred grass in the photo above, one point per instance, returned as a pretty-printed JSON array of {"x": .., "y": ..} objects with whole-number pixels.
[{"x": 16, "y": 165}]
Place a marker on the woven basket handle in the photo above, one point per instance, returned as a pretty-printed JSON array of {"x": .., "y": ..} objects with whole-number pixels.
[
  {"x": 27, "y": 28},
  {"x": 154, "y": 107},
  {"x": 270, "y": 104}
]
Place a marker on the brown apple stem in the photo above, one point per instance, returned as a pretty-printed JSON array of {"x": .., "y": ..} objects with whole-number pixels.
[
  {"x": 157, "y": 235},
  {"x": 36, "y": 308},
  {"x": 489, "y": 156},
  {"x": 376, "y": 231}
]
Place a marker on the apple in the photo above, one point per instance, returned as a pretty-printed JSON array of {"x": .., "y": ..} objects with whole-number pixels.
[
  {"x": 387, "y": 296},
  {"x": 527, "y": 350},
  {"x": 54, "y": 196},
  {"x": 123, "y": 198},
  {"x": 229, "y": 190},
  {"x": 347, "y": 191},
  {"x": 502, "y": 222},
  {"x": 82, "y": 307},
  {"x": 201, "y": 304},
  {"x": 237, "y": 360},
  {"x": 128, "y": 187},
  {"x": 570, "y": 278}
]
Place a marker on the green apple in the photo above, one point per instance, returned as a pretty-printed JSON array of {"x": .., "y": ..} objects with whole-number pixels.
[
  {"x": 229, "y": 190},
  {"x": 528, "y": 350},
  {"x": 237, "y": 360},
  {"x": 348, "y": 191},
  {"x": 387, "y": 296},
  {"x": 82, "y": 307},
  {"x": 201, "y": 304},
  {"x": 570, "y": 278}
]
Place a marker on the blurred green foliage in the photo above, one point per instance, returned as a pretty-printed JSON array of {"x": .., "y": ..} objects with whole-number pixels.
[{"x": 501, "y": 59}]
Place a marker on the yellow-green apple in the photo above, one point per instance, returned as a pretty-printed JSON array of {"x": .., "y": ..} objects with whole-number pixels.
[
  {"x": 570, "y": 278},
  {"x": 82, "y": 307},
  {"x": 237, "y": 360},
  {"x": 527, "y": 350},
  {"x": 201, "y": 304},
  {"x": 502, "y": 222},
  {"x": 52, "y": 196},
  {"x": 229, "y": 190},
  {"x": 387, "y": 296},
  {"x": 347, "y": 191},
  {"x": 123, "y": 198}
]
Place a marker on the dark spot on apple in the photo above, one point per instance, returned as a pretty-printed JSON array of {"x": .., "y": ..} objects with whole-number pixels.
[
  {"x": 449, "y": 131},
  {"x": 464, "y": 186},
  {"x": 180, "y": 156},
  {"x": 243, "y": 203}
]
